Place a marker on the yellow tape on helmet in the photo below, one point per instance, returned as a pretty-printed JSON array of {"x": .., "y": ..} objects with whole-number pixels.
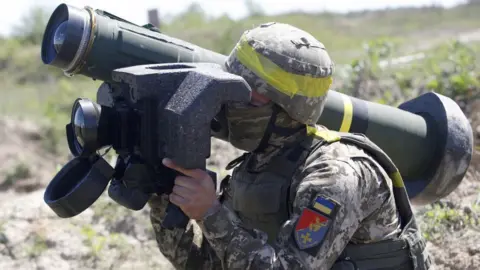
[{"x": 287, "y": 83}]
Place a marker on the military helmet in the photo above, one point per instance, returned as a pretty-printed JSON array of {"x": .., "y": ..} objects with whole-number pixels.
[{"x": 287, "y": 65}]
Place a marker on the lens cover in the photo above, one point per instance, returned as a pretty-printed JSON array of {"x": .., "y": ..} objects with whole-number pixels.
[{"x": 78, "y": 185}]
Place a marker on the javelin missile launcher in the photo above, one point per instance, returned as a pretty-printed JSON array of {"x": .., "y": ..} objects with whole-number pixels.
[{"x": 429, "y": 138}]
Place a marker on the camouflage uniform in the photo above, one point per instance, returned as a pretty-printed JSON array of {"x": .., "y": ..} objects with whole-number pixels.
[{"x": 259, "y": 222}]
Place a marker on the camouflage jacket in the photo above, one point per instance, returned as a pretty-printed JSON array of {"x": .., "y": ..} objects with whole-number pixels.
[{"x": 345, "y": 175}]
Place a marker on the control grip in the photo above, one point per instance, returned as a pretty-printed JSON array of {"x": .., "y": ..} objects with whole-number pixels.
[{"x": 175, "y": 217}]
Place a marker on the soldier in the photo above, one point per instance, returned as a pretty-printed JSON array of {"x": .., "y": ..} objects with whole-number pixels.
[{"x": 301, "y": 197}]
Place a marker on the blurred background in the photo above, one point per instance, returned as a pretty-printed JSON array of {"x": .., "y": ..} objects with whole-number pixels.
[{"x": 385, "y": 51}]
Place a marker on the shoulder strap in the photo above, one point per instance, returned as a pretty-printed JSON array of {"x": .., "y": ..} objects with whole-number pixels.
[{"x": 400, "y": 193}]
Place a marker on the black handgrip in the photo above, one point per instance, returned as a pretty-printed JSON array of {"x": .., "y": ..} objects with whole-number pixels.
[{"x": 175, "y": 218}]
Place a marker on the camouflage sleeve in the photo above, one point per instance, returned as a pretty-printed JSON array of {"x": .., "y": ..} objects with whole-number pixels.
[
  {"x": 184, "y": 248},
  {"x": 329, "y": 205}
]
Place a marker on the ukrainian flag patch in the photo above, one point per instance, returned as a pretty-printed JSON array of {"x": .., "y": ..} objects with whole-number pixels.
[{"x": 325, "y": 205}]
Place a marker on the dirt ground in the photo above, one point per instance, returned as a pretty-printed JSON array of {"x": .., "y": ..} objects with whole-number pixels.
[{"x": 107, "y": 236}]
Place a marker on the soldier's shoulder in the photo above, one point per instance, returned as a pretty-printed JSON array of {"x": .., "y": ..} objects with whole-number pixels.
[
  {"x": 344, "y": 161},
  {"x": 340, "y": 152}
]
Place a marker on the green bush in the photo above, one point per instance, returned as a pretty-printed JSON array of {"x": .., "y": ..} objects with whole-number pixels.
[{"x": 450, "y": 69}]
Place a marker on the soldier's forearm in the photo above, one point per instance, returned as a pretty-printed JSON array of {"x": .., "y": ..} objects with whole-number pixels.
[
  {"x": 184, "y": 248},
  {"x": 239, "y": 248}
]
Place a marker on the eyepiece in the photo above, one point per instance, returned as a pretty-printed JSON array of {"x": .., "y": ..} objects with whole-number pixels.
[
  {"x": 85, "y": 123},
  {"x": 79, "y": 126}
]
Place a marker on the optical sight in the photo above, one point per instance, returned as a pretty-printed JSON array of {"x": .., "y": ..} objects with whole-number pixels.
[
  {"x": 94, "y": 43},
  {"x": 157, "y": 111}
]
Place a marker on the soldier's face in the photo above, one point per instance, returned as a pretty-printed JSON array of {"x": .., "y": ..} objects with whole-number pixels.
[{"x": 247, "y": 122}]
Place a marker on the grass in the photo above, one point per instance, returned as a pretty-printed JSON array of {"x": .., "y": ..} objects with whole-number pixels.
[{"x": 439, "y": 220}]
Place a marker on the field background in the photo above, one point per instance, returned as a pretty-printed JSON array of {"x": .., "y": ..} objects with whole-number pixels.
[{"x": 36, "y": 100}]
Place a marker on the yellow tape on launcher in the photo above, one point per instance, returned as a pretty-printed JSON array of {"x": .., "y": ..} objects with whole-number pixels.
[{"x": 428, "y": 138}]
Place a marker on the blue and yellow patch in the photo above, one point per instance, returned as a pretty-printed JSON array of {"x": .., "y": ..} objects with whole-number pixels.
[{"x": 326, "y": 206}]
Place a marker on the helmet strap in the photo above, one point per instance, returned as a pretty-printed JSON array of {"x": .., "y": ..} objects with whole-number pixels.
[{"x": 269, "y": 130}]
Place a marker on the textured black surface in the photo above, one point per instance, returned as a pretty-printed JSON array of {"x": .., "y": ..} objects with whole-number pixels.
[{"x": 186, "y": 98}]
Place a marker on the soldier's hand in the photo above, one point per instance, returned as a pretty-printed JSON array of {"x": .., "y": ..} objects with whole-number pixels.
[{"x": 194, "y": 193}]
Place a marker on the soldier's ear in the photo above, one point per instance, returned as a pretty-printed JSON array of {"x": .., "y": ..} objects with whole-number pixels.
[{"x": 258, "y": 99}]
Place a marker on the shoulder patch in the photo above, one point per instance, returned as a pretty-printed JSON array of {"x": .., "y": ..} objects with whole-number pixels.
[
  {"x": 311, "y": 229},
  {"x": 314, "y": 223}
]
